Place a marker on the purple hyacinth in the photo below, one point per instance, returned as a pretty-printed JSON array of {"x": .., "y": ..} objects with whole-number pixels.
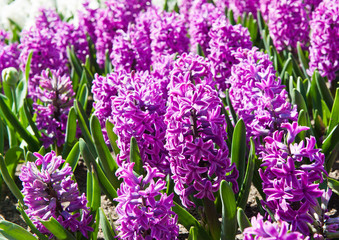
[
  {"x": 144, "y": 212},
  {"x": 266, "y": 230},
  {"x": 239, "y": 7},
  {"x": 117, "y": 15},
  {"x": 138, "y": 111},
  {"x": 288, "y": 24},
  {"x": 324, "y": 49},
  {"x": 9, "y": 53},
  {"x": 196, "y": 141},
  {"x": 291, "y": 176},
  {"x": 257, "y": 95},
  {"x": 51, "y": 192},
  {"x": 168, "y": 35},
  {"x": 55, "y": 94},
  {"x": 200, "y": 23},
  {"x": 225, "y": 39}
]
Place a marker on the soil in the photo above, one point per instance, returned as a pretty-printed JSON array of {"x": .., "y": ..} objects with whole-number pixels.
[{"x": 8, "y": 202}]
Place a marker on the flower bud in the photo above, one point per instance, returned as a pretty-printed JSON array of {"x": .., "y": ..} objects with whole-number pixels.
[{"x": 10, "y": 76}]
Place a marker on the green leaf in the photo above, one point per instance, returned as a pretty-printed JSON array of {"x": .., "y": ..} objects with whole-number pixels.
[
  {"x": 287, "y": 65},
  {"x": 106, "y": 227},
  {"x": 108, "y": 64},
  {"x": 193, "y": 234},
  {"x": 246, "y": 184},
  {"x": 331, "y": 140},
  {"x": 107, "y": 162},
  {"x": 298, "y": 99},
  {"x": 73, "y": 157},
  {"x": 12, "y": 158},
  {"x": 12, "y": 231},
  {"x": 83, "y": 96},
  {"x": 2, "y": 140},
  {"x": 334, "y": 185},
  {"x": 314, "y": 95},
  {"x": 229, "y": 209},
  {"x": 135, "y": 157},
  {"x": 231, "y": 109},
  {"x": 242, "y": 219},
  {"x": 30, "y": 120},
  {"x": 13, "y": 121},
  {"x": 257, "y": 181},
  {"x": 334, "y": 118},
  {"x": 231, "y": 17},
  {"x": 9, "y": 181},
  {"x": 331, "y": 158},
  {"x": 74, "y": 60},
  {"x": 71, "y": 129},
  {"x": 238, "y": 151},
  {"x": 112, "y": 137},
  {"x": 302, "y": 59},
  {"x": 200, "y": 51},
  {"x": 324, "y": 91},
  {"x": 57, "y": 229},
  {"x": 21, "y": 93},
  {"x": 28, "y": 65},
  {"x": 304, "y": 120},
  {"x": 96, "y": 193}
]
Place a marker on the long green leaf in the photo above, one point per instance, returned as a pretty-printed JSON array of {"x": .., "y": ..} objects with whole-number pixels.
[
  {"x": 298, "y": 99},
  {"x": 12, "y": 158},
  {"x": 106, "y": 227},
  {"x": 106, "y": 159},
  {"x": 331, "y": 140},
  {"x": 2, "y": 137},
  {"x": 334, "y": 185},
  {"x": 14, "y": 122},
  {"x": 12, "y": 231},
  {"x": 238, "y": 151},
  {"x": 96, "y": 193},
  {"x": 324, "y": 91},
  {"x": 71, "y": 129},
  {"x": 314, "y": 95},
  {"x": 331, "y": 158},
  {"x": 112, "y": 137},
  {"x": 242, "y": 219},
  {"x": 135, "y": 157},
  {"x": 57, "y": 229},
  {"x": 246, "y": 184},
  {"x": 28, "y": 65},
  {"x": 231, "y": 109},
  {"x": 74, "y": 60},
  {"x": 287, "y": 64},
  {"x": 229, "y": 212},
  {"x": 302, "y": 59},
  {"x": 334, "y": 119},
  {"x": 83, "y": 96},
  {"x": 30, "y": 120},
  {"x": 73, "y": 157},
  {"x": 9, "y": 181}
]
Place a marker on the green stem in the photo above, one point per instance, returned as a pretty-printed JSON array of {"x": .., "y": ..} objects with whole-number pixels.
[
  {"x": 212, "y": 219},
  {"x": 14, "y": 100}
]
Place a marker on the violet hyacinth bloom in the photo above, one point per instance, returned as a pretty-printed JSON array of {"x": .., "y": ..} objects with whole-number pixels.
[
  {"x": 200, "y": 23},
  {"x": 9, "y": 53},
  {"x": 324, "y": 49},
  {"x": 225, "y": 38},
  {"x": 257, "y": 95},
  {"x": 144, "y": 212},
  {"x": 288, "y": 24},
  {"x": 56, "y": 97},
  {"x": 290, "y": 175},
  {"x": 195, "y": 139},
  {"x": 239, "y": 7},
  {"x": 51, "y": 192},
  {"x": 168, "y": 35},
  {"x": 261, "y": 230},
  {"x": 138, "y": 111}
]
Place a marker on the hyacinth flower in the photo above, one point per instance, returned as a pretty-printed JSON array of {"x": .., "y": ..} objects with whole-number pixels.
[
  {"x": 239, "y": 7},
  {"x": 51, "y": 192},
  {"x": 291, "y": 177},
  {"x": 225, "y": 39},
  {"x": 144, "y": 211},
  {"x": 9, "y": 53},
  {"x": 288, "y": 24},
  {"x": 200, "y": 23},
  {"x": 53, "y": 99},
  {"x": 195, "y": 139},
  {"x": 324, "y": 48},
  {"x": 138, "y": 111},
  {"x": 261, "y": 230},
  {"x": 257, "y": 95}
]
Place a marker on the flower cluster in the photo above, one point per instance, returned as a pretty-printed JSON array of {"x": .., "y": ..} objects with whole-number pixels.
[
  {"x": 225, "y": 38},
  {"x": 55, "y": 94},
  {"x": 288, "y": 24},
  {"x": 51, "y": 192},
  {"x": 9, "y": 53},
  {"x": 144, "y": 212},
  {"x": 290, "y": 172},
  {"x": 257, "y": 95},
  {"x": 138, "y": 111},
  {"x": 200, "y": 23},
  {"x": 244, "y": 6},
  {"x": 196, "y": 134},
  {"x": 266, "y": 230},
  {"x": 324, "y": 48}
]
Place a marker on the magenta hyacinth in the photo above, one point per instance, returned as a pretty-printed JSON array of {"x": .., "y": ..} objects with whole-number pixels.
[
  {"x": 291, "y": 176},
  {"x": 239, "y": 7},
  {"x": 196, "y": 141},
  {"x": 288, "y": 23},
  {"x": 324, "y": 49},
  {"x": 51, "y": 192},
  {"x": 257, "y": 95},
  {"x": 266, "y": 230},
  {"x": 55, "y": 94},
  {"x": 9, "y": 52},
  {"x": 225, "y": 39},
  {"x": 144, "y": 211}
]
